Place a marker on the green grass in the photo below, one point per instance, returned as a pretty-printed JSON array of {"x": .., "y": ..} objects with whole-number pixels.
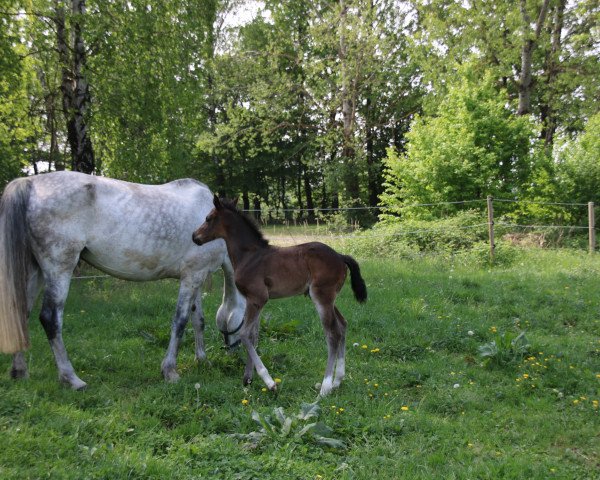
[{"x": 531, "y": 418}]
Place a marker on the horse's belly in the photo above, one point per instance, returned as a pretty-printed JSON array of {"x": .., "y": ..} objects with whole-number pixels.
[{"x": 131, "y": 264}]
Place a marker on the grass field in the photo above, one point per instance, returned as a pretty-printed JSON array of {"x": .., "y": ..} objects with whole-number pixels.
[{"x": 418, "y": 400}]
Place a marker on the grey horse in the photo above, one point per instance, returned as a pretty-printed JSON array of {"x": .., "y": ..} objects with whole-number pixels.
[{"x": 131, "y": 231}]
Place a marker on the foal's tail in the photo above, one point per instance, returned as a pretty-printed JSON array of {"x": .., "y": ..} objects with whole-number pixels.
[
  {"x": 15, "y": 263},
  {"x": 356, "y": 281}
]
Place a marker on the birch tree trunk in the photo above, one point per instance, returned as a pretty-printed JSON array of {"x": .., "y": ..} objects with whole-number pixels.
[{"x": 75, "y": 90}]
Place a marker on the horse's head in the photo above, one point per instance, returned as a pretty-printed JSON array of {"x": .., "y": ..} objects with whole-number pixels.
[{"x": 213, "y": 226}]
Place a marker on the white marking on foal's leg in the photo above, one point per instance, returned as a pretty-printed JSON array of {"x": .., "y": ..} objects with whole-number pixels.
[
  {"x": 326, "y": 386},
  {"x": 340, "y": 371}
]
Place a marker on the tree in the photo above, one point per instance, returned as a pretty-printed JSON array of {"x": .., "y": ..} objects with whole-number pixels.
[
  {"x": 470, "y": 147},
  {"x": 578, "y": 169},
  {"x": 19, "y": 129},
  {"x": 75, "y": 88}
]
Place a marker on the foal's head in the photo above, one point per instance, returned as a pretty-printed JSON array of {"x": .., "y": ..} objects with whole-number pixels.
[
  {"x": 226, "y": 221},
  {"x": 214, "y": 225}
]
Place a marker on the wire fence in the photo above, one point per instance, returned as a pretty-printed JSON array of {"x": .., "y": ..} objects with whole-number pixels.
[{"x": 323, "y": 227}]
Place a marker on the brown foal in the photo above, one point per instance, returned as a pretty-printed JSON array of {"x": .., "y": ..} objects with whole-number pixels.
[{"x": 262, "y": 271}]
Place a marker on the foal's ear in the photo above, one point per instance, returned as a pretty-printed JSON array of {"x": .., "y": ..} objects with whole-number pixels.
[{"x": 217, "y": 202}]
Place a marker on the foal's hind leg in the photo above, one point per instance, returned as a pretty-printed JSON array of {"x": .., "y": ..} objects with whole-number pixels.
[
  {"x": 340, "y": 366},
  {"x": 19, "y": 364},
  {"x": 51, "y": 317},
  {"x": 334, "y": 335}
]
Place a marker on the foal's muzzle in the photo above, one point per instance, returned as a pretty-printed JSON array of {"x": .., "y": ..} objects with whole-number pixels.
[{"x": 196, "y": 239}]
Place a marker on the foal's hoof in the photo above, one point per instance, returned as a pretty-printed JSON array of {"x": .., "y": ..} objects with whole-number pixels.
[{"x": 247, "y": 381}]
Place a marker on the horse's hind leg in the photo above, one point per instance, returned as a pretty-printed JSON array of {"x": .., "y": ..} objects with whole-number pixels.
[
  {"x": 51, "y": 317},
  {"x": 19, "y": 364},
  {"x": 198, "y": 324},
  {"x": 187, "y": 292}
]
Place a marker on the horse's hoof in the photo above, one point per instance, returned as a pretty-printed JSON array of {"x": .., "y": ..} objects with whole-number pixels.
[
  {"x": 201, "y": 357},
  {"x": 247, "y": 381},
  {"x": 75, "y": 383},
  {"x": 171, "y": 377},
  {"x": 17, "y": 374},
  {"x": 79, "y": 386}
]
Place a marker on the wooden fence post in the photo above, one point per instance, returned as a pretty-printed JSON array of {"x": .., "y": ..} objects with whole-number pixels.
[
  {"x": 490, "y": 208},
  {"x": 592, "y": 227}
]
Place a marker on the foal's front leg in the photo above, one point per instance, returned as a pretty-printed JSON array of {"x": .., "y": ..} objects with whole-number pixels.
[{"x": 248, "y": 336}]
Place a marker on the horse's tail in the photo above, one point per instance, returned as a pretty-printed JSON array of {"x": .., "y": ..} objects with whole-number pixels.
[
  {"x": 356, "y": 281},
  {"x": 15, "y": 264}
]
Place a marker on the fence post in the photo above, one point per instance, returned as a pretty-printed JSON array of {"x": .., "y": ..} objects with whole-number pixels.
[
  {"x": 592, "y": 227},
  {"x": 490, "y": 209}
]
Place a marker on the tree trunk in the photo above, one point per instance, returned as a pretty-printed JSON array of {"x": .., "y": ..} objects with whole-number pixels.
[
  {"x": 529, "y": 42},
  {"x": 308, "y": 193},
  {"x": 549, "y": 120},
  {"x": 75, "y": 89},
  {"x": 348, "y": 112}
]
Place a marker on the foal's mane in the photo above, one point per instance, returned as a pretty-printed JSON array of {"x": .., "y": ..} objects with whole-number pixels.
[{"x": 247, "y": 219}]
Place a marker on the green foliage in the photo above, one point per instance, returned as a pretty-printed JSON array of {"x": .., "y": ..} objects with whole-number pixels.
[
  {"x": 450, "y": 234},
  {"x": 506, "y": 348},
  {"x": 19, "y": 129},
  {"x": 578, "y": 170},
  {"x": 471, "y": 147},
  {"x": 283, "y": 429}
]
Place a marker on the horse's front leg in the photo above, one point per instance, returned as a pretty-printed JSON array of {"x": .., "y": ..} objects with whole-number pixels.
[
  {"x": 248, "y": 335},
  {"x": 187, "y": 292}
]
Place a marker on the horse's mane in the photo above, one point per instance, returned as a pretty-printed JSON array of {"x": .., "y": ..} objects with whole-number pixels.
[{"x": 248, "y": 220}]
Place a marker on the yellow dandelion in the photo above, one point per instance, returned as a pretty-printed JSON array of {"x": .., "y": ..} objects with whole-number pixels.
[
  {"x": 364, "y": 347},
  {"x": 245, "y": 402},
  {"x": 575, "y": 402},
  {"x": 493, "y": 329},
  {"x": 375, "y": 350},
  {"x": 525, "y": 375},
  {"x": 277, "y": 380},
  {"x": 404, "y": 408},
  {"x": 264, "y": 389}
]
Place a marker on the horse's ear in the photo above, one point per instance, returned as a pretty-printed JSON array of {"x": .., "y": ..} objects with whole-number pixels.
[
  {"x": 217, "y": 202},
  {"x": 234, "y": 201}
]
